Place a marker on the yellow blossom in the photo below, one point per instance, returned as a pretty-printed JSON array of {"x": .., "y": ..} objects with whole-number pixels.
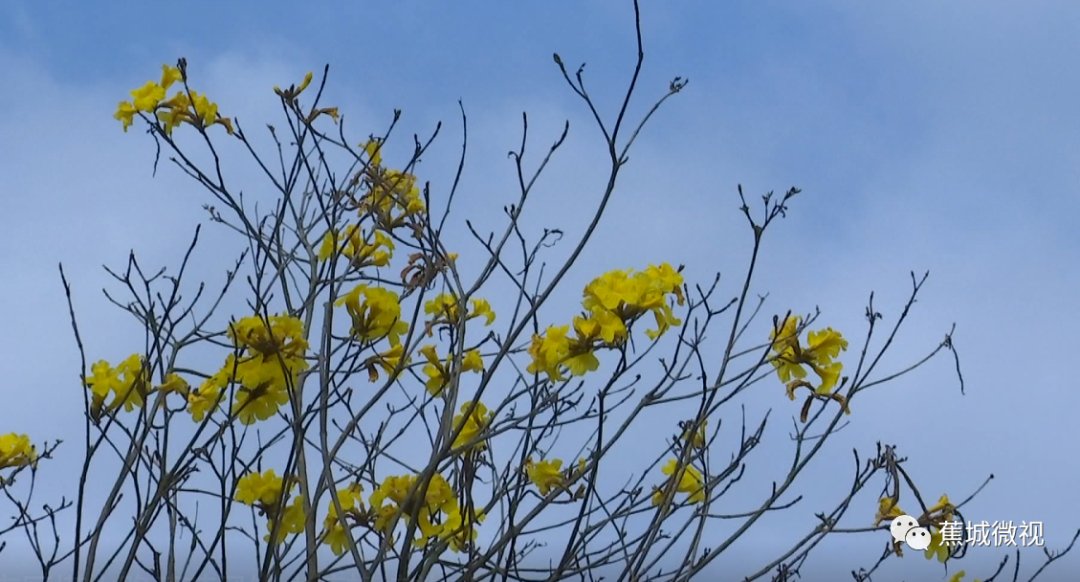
[
  {"x": 888, "y": 509},
  {"x": 790, "y": 357},
  {"x": 481, "y": 308},
  {"x": 628, "y": 295},
  {"x": 292, "y": 521},
  {"x": 125, "y": 113},
  {"x": 147, "y": 97},
  {"x": 439, "y": 372},
  {"x": 553, "y": 350},
  {"x": 271, "y": 365},
  {"x": 16, "y": 450},
  {"x": 471, "y": 426},
  {"x": 351, "y": 502},
  {"x": 695, "y": 439},
  {"x": 938, "y": 548},
  {"x": 546, "y": 475},
  {"x": 353, "y": 244},
  {"x": 444, "y": 307},
  {"x": 690, "y": 481},
  {"x": 375, "y": 313},
  {"x": 392, "y": 197},
  {"x": 472, "y": 362},
  {"x": 169, "y": 75},
  {"x": 264, "y": 488},
  {"x": 128, "y": 382},
  {"x": 459, "y": 531},
  {"x": 373, "y": 148},
  {"x": 390, "y": 361},
  {"x": 174, "y": 383},
  {"x": 206, "y": 397}
]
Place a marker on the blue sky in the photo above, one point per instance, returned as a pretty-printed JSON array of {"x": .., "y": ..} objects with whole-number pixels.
[{"x": 925, "y": 135}]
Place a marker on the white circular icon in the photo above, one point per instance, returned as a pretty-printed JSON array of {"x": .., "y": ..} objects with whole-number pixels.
[
  {"x": 900, "y": 526},
  {"x": 918, "y": 538}
]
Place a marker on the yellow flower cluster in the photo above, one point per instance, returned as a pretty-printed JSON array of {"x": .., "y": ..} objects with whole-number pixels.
[
  {"x": 269, "y": 366},
  {"x": 375, "y": 313},
  {"x": 352, "y": 505},
  {"x": 629, "y": 295},
  {"x": 265, "y": 490},
  {"x": 688, "y": 479},
  {"x": 185, "y": 106},
  {"x": 612, "y": 303},
  {"x": 439, "y": 372},
  {"x": 16, "y": 450},
  {"x": 128, "y": 382},
  {"x": 389, "y": 360},
  {"x": 392, "y": 196},
  {"x": 472, "y": 424},
  {"x": 439, "y": 517},
  {"x": 444, "y": 309},
  {"x": 790, "y": 356},
  {"x": 549, "y": 475},
  {"x": 374, "y": 250}
]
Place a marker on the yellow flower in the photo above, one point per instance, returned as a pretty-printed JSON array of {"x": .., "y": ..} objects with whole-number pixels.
[
  {"x": 481, "y": 308},
  {"x": 958, "y": 576},
  {"x": 389, "y": 361},
  {"x": 169, "y": 75},
  {"x": 259, "y": 488},
  {"x": 888, "y": 509},
  {"x": 373, "y": 148},
  {"x": 472, "y": 362},
  {"x": 205, "y": 110},
  {"x": 354, "y": 245},
  {"x": 147, "y": 97},
  {"x": 292, "y": 521},
  {"x": 292, "y": 92},
  {"x": 548, "y": 352},
  {"x": 125, "y": 113},
  {"x": 471, "y": 426},
  {"x": 944, "y": 507},
  {"x": 697, "y": 439},
  {"x": 938, "y": 549},
  {"x": 174, "y": 383},
  {"x": 392, "y": 197},
  {"x": 601, "y": 325},
  {"x": 128, "y": 382},
  {"x": 206, "y": 397},
  {"x": 582, "y": 363},
  {"x": 284, "y": 336},
  {"x": 434, "y": 370},
  {"x": 390, "y": 500},
  {"x": 16, "y": 450},
  {"x": 258, "y": 403},
  {"x": 174, "y": 112},
  {"x": 553, "y": 350},
  {"x": 690, "y": 482},
  {"x": 459, "y": 531},
  {"x": 375, "y": 313},
  {"x": 629, "y": 294},
  {"x": 351, "y": 502},
  {"x": 439, "y": 372},
  {"x": 823, "y": 346},
  {"x": 444, "y": 307},
  {"x": 546, "y": 475},
  {"x": 271, "y": 366},
  {"x": 786, "y": 346}
]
